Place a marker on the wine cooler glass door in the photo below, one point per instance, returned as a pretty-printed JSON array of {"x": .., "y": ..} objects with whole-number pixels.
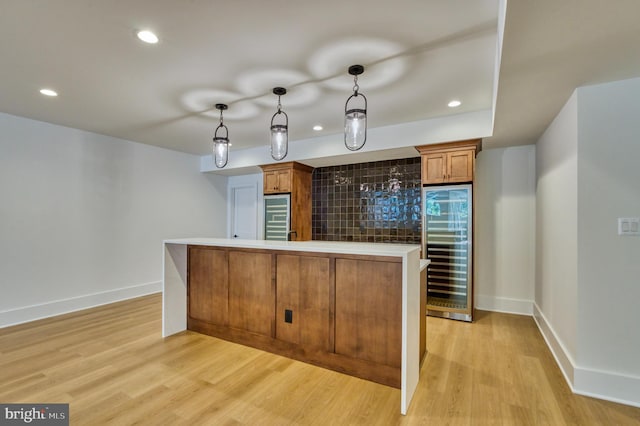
[{"x": 447, "y": 231}]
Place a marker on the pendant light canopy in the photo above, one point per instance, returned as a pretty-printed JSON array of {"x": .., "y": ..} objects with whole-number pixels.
[
  {"x": 355, "y": 119},
  {"x": 221, "y": 143},
  {"x": 279, "y": 132}
]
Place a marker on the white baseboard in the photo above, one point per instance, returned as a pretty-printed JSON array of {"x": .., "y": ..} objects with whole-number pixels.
[
  {"x": 607, "y": 385},
  {"x": 559, "y": 352},
  {"x": 59, "y": 307},
  {"x": 504, "y": 304}
]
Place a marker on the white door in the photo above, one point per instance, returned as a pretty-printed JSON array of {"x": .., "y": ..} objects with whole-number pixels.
[{"x": 244, "y": 217}]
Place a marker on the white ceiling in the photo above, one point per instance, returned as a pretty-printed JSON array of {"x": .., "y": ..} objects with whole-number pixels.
[
  {"x": 418, "y": 54},
  {"x": 553, "y": 46}
]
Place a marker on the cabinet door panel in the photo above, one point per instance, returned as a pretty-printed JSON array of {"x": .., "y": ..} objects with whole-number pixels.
[
  {"x": 369, "y": 310},
  {"x": 251, "y": 292},
  {"x": 270, "y": 182},
  {"x": 208, "y": 285},
  {"x": 460, "y": 167},
  {"x": 434, "y": 168},
  {"x": 284, "y": 180},
  {"x": 303, "y": 287}
]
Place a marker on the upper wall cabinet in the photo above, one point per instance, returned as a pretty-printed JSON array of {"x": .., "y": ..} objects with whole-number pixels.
[
  {"x": 452, "y": 162},
  {"x": 282, "y": 177},
  {"x": 277, "y": 181}
]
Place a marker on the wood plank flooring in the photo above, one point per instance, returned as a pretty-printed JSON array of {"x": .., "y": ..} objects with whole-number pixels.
[{"x": 113, "y": 367}]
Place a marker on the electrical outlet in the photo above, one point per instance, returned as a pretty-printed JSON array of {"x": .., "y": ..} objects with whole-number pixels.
[
  {"x": 628, "y": 226},
  {"x": 288, "y": 316}
]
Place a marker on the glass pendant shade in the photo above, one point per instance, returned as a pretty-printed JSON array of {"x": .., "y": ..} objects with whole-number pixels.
[
  {"x": 355, "y": 118},
  {"x": 221, "y": 151},
  {"x": 221, "y": 143},
  {"x": 279, "y": 141},
  {"x": 279, "y": 132},
  {"x": 355, "y": 128}
]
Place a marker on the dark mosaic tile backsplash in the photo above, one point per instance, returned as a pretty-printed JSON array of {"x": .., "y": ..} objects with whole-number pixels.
[{"x": 371, "y": 202}]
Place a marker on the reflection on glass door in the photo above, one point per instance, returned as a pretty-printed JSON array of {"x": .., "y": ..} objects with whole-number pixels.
[{"x": 447, "y": 213}]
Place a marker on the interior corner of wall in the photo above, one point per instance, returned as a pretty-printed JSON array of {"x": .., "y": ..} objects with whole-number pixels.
[{"x": 563, "y": 357}]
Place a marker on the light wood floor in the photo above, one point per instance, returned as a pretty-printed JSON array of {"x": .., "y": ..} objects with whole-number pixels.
[{"x": 113, "y": 367}]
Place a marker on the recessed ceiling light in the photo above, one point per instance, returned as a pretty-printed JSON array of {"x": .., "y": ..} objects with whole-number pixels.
[
  {"x": 317, "y": 127},
  {"x": 48, "y": 92},
  {"x": 147, "y": 37},
  {"x": 454, "y": 104}
]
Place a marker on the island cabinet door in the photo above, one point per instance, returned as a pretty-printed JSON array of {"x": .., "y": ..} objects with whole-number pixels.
[
  {"x": 303, "y": 295},
  {"x": 252, "y": 292},
  {"x": 208, "y": 285},
  {"x": 369, "y": 310}
]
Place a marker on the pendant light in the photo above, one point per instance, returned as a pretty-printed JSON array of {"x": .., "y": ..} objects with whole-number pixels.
[
  {"x": 355, "y": 119},
  {"x": 279, "y": 132},
  {"x": 221, "y": 143}
]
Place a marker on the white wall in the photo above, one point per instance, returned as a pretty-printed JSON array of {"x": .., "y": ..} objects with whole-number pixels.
[
  {"x": 556, "y": 289},
  {"x": 505, "y": 229},
  {"x": 83, "y": 216},
  {"x": 587, "y": 277},
  {"x": 608, "y": 264}
]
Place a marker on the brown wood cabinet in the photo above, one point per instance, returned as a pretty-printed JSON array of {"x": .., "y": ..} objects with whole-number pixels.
[
  {"x": 295, "y": 179},
  {"x": 282, "y": 178},
  {"x": 452, "y": 162},
  {"x": 277, "y": 181},
  {"x": 342, "y": 312}
]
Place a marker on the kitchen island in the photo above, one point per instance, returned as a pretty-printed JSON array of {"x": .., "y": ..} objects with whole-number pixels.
[{"x": 349, "y": 307}]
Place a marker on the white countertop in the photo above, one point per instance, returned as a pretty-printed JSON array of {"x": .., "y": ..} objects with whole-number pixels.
[
  {"x": 424, "y": 263},
  {"x": 372, "y": 249}
]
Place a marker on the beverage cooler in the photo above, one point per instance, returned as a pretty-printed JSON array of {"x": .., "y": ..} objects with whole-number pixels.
[
  {"x": 277, "y": 217},
  {"x": 447, "y": 237}
]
